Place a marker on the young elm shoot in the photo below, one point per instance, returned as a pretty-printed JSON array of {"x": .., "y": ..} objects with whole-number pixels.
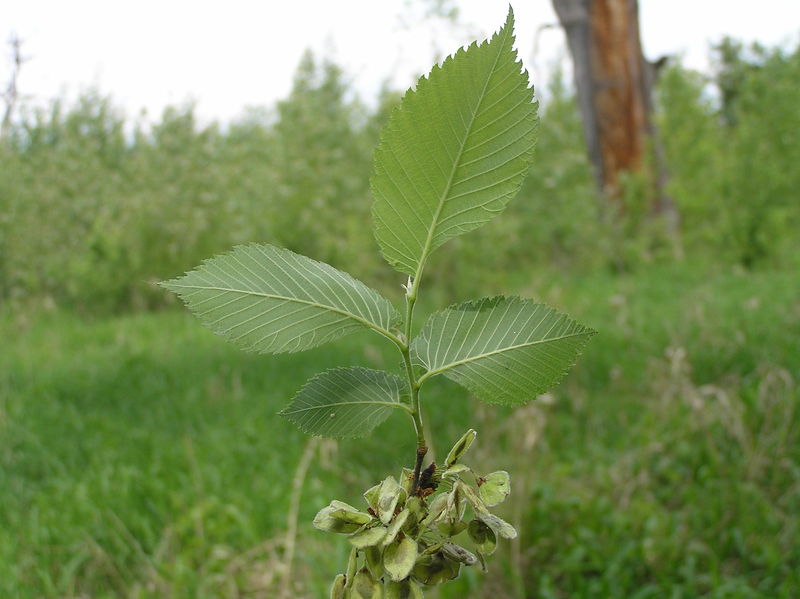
[{"x": 452, "y": 155}]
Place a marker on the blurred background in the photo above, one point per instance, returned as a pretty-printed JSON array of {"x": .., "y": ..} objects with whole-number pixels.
[{"x": 140, "y": 456}]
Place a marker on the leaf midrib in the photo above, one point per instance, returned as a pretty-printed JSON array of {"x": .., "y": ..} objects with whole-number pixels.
[
  {"x": 495, "y": 352},
  {"x": 391, "y": 404},
  {"x": 456, "y": 164},
  {"x": 356, "y": 317}
]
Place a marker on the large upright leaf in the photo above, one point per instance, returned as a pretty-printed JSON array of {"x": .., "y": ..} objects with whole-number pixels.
[
  {"x": 345, "y": 402},
  {"x": 504, "y": 350},
  {"x": 455, "y": 151},
  {"x": 270, "y": 300}
]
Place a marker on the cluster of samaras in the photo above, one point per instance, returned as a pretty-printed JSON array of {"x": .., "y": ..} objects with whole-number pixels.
[{"x": 407, "y": 537}]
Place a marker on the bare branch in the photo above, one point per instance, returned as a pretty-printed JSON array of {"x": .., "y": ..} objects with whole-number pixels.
[{"x": 11, "y": 93}]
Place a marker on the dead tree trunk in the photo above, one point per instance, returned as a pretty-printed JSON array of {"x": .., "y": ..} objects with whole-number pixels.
[{"x": 614, "y": 84}]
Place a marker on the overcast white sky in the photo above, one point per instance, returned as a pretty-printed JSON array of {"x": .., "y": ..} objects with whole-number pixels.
[{"x": 229, "y": 55}]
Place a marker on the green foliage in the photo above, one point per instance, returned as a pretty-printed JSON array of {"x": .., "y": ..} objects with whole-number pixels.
[
  {"x": 271, "y": 300},
  {"x": 94, "y": 206},
  {"x": 101, "y": 207},
  {"x": 454, "y": 153},
  {"x": 346, "y": 402},
  {"x": 763, "y": 153},
  {"x": 732, "y": 165},
  {"x": 504, "y": 350},
  {"x": 321, "y": 161},
  {"x": 431, "y": 183},
  {"x": 692, "y": 142},
  {"x": 556, "y": 218}
]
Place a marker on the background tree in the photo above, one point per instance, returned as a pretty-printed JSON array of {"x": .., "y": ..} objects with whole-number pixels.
[
  {"x": 11, "y": 95},
  {"x": 614, "y": 84}
]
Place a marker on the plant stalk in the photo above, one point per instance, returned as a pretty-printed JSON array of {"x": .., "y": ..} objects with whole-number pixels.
[{"x": 416, "y": 411}]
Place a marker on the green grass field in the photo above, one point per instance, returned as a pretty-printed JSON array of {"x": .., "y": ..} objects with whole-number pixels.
[{"x": 141, "y": 457}]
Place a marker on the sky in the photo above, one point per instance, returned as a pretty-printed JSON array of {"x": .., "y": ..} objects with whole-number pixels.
[{"x": 227, "y": 56}]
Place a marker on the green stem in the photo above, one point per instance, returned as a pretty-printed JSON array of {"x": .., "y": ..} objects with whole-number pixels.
[{"x": 416, "y": 411}]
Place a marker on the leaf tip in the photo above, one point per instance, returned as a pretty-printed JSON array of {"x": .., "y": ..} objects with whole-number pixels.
[{"x": 170, "y": 284}]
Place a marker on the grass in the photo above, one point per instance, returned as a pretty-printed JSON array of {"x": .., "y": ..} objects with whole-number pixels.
[{"x": 141, "y": 457}]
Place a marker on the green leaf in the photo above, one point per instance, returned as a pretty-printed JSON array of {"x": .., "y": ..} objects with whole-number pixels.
[
  {"x": 371, "y": 495},
  {"x": 455, "y": 503},
  {"x": 368, "y": 537},
  {"x": 476, "y": 502},
  {"x": 482, "y": 561},
  {"x": 340, "y": 517},
  {"x": 394, "y": 528},
  {"x": 455, "y": 151},
  {"x": 374, "y": 558},
  {"x": 417, "y": 507},
  {"x": 436, "y": 509},
  {"x": 389, "y": 495},
  {"x": 455, "y": 470},
  {"x": 457, "y": 553},
  {"x": 345, "y": 402},
  {"x": 337, "y": 589},
  {"x": 366, "y": 587},
  {"x": 407, "y": 589},
  {"x": 500, "y": 527},
  {"x": 451, "y": 529},
  {"x": 399, "y": 558},
  {"x": 504, "y": 350},
  {"x": 270, "y": 300},
  {"x": 460, "y": 448},
  {"x": 484, "y": 538},
  {"x": 406, "y": 479},
  {"x": 435, "y": 569},
  {"x": 352, "y": 566},
  {"x": 495, "y": 487}
]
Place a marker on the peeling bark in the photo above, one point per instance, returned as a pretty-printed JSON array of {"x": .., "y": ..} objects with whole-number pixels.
[{"x": 614, "y": 83}]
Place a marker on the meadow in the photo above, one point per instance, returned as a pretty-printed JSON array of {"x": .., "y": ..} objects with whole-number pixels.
[{"x": 142, "y": 456}]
